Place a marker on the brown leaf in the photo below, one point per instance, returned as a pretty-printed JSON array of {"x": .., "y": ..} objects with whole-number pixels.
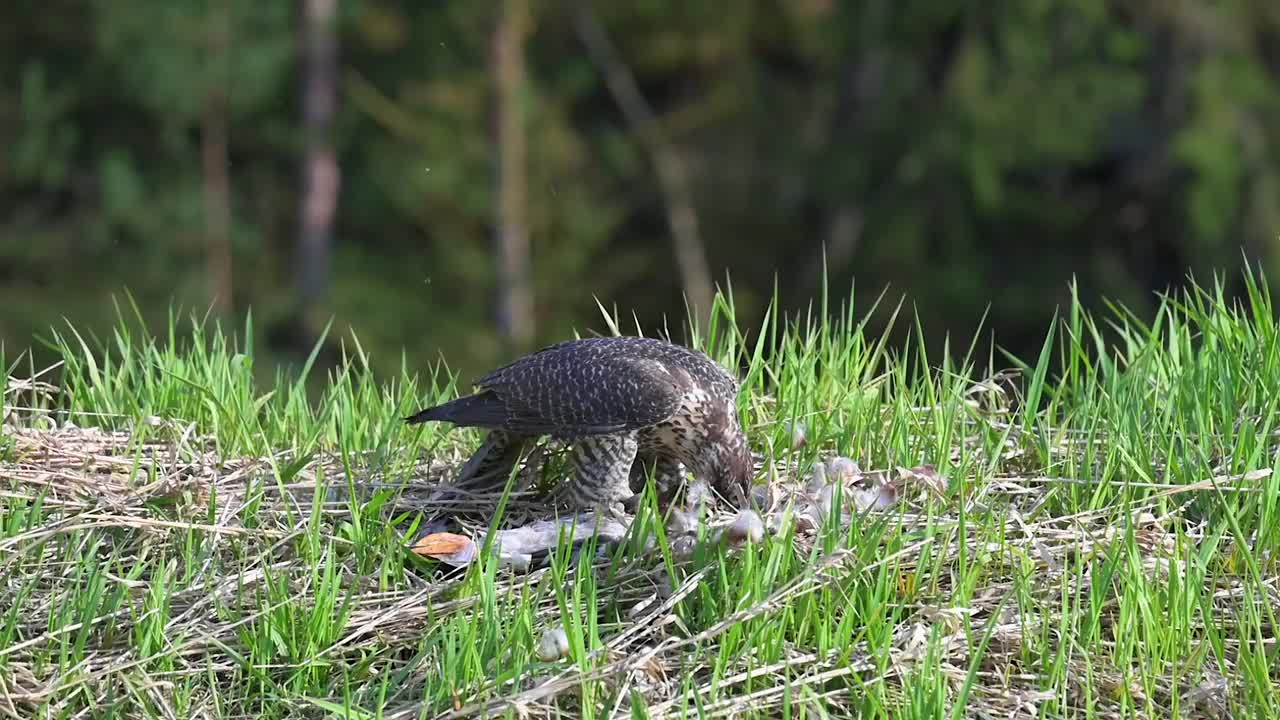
[{"x": 442, "y": 546}]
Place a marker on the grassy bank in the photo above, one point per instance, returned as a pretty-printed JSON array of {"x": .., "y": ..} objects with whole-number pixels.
[{"x": 178, "y": 542}]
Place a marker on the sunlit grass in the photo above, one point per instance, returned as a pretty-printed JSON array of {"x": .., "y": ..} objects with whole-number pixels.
[{"x": 1107, "y": 546}]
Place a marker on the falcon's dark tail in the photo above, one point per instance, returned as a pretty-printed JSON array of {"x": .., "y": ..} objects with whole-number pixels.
[{"x": 483, "y": 410}]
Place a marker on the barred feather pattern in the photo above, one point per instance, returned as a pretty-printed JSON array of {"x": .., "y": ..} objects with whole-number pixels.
[
  {"x": 623, "y": 403},
  {"x": 601, "y": 470}
]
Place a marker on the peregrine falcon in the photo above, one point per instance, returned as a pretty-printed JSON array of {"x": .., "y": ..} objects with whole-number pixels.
[{"x": 626, "y": 405}]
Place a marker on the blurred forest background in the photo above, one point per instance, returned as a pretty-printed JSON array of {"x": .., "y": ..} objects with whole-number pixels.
[{"x": 464, "y": 179}]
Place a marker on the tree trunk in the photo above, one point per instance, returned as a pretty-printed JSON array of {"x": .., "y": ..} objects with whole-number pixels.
[
  {"x": 673, "y": 178},
  {"x": 321, "y": 175},
  {"x": 515, "y": 301},
  {"x": 214, "y": 160}
]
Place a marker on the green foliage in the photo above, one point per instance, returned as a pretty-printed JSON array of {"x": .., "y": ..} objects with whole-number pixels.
[
  {"x": 1104, "y": 547},
  {"x": 976, "y": 157}
]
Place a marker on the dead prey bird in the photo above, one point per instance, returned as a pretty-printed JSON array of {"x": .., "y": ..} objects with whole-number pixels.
[{"x": 626, "y": 405}]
